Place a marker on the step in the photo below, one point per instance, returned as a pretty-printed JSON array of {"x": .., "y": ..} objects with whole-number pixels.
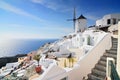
[
  {"x": 110, "y": 55},
  {"x": 111, "y": 51},
  {"x": 114, "y": 41},
  {"x": 93, "y": 77},
  {"x": 103, "y": 58},
  {"x": 98, "y": 73},
  {"x": 100, "y": 67},
  {"x": 103, "y": 63},
  {"x": 114, "y": 49},
  {"x": 114, "y": 45}
]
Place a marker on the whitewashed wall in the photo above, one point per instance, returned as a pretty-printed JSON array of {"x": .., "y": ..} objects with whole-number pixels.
[
  {"x": 90, "y": 59},
  {"x": 103, "y": 21}
]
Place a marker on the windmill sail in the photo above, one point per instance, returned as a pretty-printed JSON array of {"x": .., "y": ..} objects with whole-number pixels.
[{"x": 74, "y": 18}]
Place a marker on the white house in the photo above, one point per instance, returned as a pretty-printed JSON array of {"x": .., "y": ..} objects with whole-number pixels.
[{"x": 108, "y": 20}]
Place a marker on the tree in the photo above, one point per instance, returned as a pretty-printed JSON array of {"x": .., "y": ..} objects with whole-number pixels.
[
  {"x": 37, "y": 58},
  {"x": 72, "y": 62},
  {"x": 70, "y": 58},
  {"x": 65, "y": 63}
]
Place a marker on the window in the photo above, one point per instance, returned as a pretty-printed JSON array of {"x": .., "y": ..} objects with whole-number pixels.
[
  {"x": 118, "y": 19},
  {"x": 114, "y": 21},
  {"x": 108, "y": 21}
]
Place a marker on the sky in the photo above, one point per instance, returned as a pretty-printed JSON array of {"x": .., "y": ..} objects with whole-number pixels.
[{"x": 47, "y": 19}]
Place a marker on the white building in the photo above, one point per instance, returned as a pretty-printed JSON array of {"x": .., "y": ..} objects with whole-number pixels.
[
  {"x": 80, "y": 24},
  {"x": 108, "y": 20},
  {"x": 83, "y": 46}
]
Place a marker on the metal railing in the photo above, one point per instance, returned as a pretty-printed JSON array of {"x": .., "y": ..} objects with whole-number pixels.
[{"x": 114, "y": 75}]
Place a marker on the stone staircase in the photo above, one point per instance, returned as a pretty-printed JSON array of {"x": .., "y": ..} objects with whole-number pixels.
[{"x": 99, "y": 71}]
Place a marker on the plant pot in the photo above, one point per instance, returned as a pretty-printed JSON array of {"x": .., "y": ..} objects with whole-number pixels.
[{"x": 38, "y": 69}]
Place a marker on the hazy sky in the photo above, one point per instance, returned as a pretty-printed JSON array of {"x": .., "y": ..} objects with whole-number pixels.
[{"x": 47, "y": 18}]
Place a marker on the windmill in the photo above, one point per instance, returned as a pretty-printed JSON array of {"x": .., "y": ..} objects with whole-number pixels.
[{"x": 74, "y": 18}]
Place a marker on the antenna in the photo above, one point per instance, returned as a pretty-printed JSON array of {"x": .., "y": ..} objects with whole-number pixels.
[{"x": 74, "y": 18}]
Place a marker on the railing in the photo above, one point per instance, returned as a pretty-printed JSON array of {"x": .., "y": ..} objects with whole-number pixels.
[
  {"x": 114, "y": 75},
  {"x": 118, "y": 50}
]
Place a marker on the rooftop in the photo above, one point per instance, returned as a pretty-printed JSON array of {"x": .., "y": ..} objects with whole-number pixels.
[{"x": 82, "y": 17}]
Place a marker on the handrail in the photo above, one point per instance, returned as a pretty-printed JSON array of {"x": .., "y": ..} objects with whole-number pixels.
[{"x": 114, "y": 75}]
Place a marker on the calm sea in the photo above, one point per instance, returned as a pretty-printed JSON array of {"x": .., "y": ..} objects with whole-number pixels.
[{"x": 13, "y": 47}]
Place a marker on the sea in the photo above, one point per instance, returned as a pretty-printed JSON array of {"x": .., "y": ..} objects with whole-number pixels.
[{"x": 21, "y": 46}]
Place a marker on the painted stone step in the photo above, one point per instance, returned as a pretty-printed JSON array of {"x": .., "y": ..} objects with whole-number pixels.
[
  {"x": 103, "y": 63},
  {"x": 93, "y": 77},
  {"x": 110, "y": 55},
  {"x": 114, "y": 49},
  {"x": 111, "y": 51},
  {"x": 98, "y": 73},
  {"x": 114, "y": 44},
  {"x": 103, "y": 58},
  {"x": 114, "y": 41},
  {"x": 100, "y": 67}
]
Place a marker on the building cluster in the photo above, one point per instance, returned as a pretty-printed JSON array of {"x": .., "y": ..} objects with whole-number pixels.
[{"x": 62, "y": 59}]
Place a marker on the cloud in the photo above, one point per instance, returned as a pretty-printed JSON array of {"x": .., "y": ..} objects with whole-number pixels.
[
  {"x": 51, "y": 5},
  {"x": 11, "y": 8},
  {"x": 57, "y": 5}
]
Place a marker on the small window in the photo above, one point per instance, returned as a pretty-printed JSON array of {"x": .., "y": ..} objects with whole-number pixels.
[
  {"x": 108, "y": 21},
  {"x": 118, "y": 19},
  {"x": 114, "y": 21}
]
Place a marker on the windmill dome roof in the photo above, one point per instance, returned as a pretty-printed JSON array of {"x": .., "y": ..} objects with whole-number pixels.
[{"x": 82, "y": 17}]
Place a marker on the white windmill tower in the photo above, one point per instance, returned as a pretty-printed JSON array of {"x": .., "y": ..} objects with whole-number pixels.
[{"x": 81, "y": 24}]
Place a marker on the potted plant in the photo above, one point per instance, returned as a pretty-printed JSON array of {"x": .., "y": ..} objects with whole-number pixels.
[{"x": 37, "y": 58}]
